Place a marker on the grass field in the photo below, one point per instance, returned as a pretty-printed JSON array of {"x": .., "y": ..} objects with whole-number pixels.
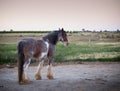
[{"x": 83, "y": 47}]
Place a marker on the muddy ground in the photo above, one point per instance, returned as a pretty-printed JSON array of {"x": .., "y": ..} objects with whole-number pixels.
[{"x": 76, "y": 77}]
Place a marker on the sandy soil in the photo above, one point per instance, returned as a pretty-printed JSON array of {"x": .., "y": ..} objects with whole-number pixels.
[{"x": 79, "y": 77}]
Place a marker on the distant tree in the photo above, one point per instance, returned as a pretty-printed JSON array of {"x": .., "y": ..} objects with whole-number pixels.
[
  {"x": 87, "y": 30},
  {"x": 118, "y": 30},
  {"x": 11, "y": 30},
  {"x": 94, "y": 31},
  {"x": 105, "y": 30},
  {"x": 4, "y": 30},
  {"x": 83, "y": 30}
]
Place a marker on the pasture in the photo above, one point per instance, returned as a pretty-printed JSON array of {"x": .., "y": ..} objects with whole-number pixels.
[{"x": 84, "y": 47}]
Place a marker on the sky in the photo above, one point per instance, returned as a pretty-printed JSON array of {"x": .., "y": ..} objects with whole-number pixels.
[{"x": 54, "y": 14}]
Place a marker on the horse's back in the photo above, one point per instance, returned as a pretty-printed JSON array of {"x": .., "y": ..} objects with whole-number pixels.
[
  {"x": 28, "y": 45},
  {"x": 34, "y": 48},
  {"x": 28, "y": 42}
]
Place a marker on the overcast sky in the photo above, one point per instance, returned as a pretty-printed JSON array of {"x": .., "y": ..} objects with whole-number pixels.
[{"x": 54, "y": 14}]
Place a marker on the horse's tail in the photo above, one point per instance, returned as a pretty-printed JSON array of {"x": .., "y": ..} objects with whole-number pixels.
[{"x": 20, "y": 61}]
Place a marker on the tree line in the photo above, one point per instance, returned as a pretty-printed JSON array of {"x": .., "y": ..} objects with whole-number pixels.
[{"x": 48, "y": 31}]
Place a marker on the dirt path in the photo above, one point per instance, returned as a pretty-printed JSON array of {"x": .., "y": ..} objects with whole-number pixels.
[{"x": 80, "y": 77}]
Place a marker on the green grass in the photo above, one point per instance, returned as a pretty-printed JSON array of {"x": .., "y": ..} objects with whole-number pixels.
[
  {"x": 7, "y": 48},
  {"x": 88, "y": 52},
  {"x": 8, "y": 53},
  {"x": 75, "y": 52}
]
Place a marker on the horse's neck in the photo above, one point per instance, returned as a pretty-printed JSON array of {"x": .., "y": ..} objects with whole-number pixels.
[{"x": 51, "y": 38}]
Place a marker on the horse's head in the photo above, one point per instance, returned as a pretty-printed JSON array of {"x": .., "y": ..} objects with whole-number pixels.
[{"x": 62, "y": 36}]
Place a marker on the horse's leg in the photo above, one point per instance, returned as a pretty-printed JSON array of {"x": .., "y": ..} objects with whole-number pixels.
[
  {"x": 38, "y": 73},
  {"x": 49, "y": 69},
  {"x": 25, "y": 77}
]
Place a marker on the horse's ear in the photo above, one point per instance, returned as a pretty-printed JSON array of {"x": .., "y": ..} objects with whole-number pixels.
[{"x": 62, "y": 29}]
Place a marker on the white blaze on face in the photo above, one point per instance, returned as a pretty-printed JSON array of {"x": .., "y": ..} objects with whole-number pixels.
[{"x": 61, "y": 38}]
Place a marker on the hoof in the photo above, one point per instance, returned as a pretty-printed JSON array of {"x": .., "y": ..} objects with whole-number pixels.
[
  {"x": 37, "y": 77},
  {"x": 24, "y": 82},
  {"x": 50, "y": 77}
]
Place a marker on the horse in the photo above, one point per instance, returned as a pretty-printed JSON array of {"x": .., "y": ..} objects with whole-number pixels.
[{"x": 29, "y": 48}]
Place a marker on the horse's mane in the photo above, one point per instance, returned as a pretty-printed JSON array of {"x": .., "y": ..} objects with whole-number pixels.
[{"x": 52, "y": 37}]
